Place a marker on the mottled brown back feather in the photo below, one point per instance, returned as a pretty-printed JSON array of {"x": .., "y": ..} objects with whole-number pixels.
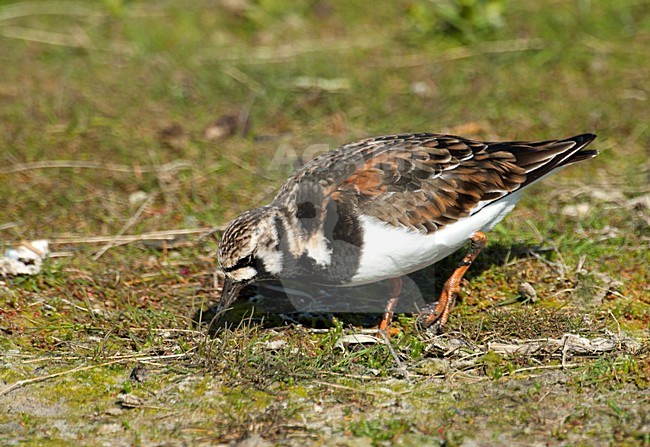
[{"x": 425, "y": 181}]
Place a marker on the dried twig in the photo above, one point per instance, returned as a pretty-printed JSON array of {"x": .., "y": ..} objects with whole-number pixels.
[
  {"x": 400, "y": 366},
  {"x": 568, "y": 344}
]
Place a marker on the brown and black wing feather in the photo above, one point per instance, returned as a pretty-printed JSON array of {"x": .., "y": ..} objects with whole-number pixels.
[{"x": 422, "y": 181}]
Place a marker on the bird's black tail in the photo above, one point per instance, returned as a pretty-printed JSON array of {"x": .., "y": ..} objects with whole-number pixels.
[{"x": 541, "y": 157}]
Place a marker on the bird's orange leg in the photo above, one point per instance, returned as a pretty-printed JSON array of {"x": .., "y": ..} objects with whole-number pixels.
[
  {"x": 395, "y": 289},
  {"x": 440, "y": 314}
]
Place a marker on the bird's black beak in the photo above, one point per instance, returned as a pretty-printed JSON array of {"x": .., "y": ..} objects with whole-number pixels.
[{"x": 229, "y": 294}]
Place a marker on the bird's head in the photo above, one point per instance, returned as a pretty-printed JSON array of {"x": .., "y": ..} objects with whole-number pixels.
[{"x": 249, "y": 251}]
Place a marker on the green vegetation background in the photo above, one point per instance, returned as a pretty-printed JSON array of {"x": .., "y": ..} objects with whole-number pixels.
[{"x": 131, "y": 117}]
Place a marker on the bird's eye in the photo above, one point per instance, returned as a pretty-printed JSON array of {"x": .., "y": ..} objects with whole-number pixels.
[{"x": 306, "y": 210}]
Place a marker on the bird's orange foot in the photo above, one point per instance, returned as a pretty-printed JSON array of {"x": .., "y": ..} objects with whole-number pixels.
[
  {"x": 436, "y": 317},
  {"x": 395, "y": 288}
]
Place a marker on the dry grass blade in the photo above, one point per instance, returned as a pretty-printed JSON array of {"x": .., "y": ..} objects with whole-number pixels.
[
  {"x": 349, "y": 388},
  {"x": 8, "y": 225},
  {"x": 78, "y": 39},
  {"x": 124, "y": 359},
  {"x": 74, "y": 164},
  {"x": 24, "y": 382},
  {"x": 503, "y": 46},
  {"x": 541, "y": 368},
  {"x": 271, "y": 55},
  {"x": 25, "y": 9},
  {"x": 167, "y": 235},
  {"x": 132, "y": 220}
]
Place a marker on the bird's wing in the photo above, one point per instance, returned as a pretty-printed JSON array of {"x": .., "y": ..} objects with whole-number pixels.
[{"x": 423, "y": 181}]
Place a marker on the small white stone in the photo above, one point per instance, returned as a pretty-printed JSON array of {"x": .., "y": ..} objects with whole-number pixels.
[
  {"x": 137, "y": 198},
  {"x": 579, "y": 210}
]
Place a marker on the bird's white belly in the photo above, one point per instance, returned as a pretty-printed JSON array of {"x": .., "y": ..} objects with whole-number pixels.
[{"x": 389, "y": 252}]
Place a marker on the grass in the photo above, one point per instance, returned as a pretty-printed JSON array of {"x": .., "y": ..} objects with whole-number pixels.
[{"x": 106, "y": 104}]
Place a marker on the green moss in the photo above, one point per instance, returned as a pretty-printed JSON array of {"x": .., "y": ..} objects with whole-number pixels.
[
  {"x": 84, "y": 389},
  {"x": 379, "y": 431}
]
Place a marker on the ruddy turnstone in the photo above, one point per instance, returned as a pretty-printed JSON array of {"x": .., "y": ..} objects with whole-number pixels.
[{"x": 387, "y": 206}]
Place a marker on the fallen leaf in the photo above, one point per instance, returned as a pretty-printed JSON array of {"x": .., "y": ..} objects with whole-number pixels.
[
  {"x": 227, "y": 126},
  {"x": 354, "y": 339}
]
